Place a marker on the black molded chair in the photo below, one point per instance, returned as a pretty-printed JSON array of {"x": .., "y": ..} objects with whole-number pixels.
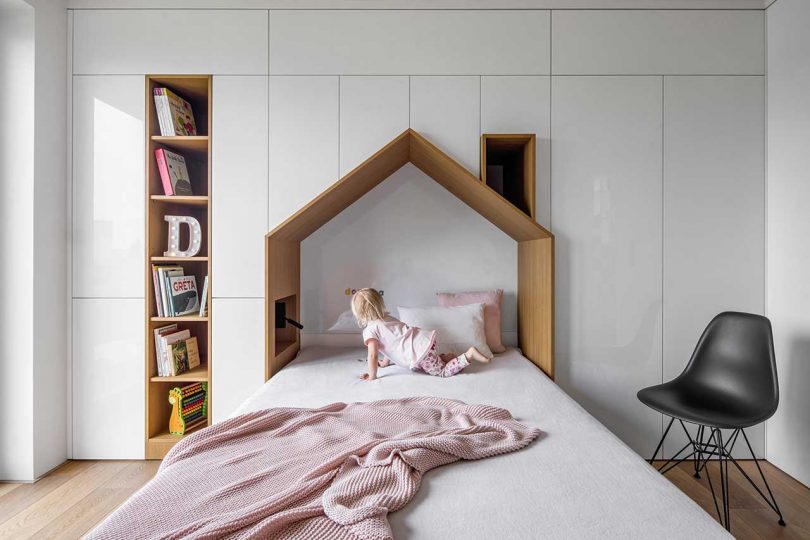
[{"x": 729, "y": 383}]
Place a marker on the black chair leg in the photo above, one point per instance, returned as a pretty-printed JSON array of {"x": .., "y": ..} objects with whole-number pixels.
[
  {"x": 698, "y": 454},
  {"x": 772, "y": 501},
  {"x": 661, "y": 442}
]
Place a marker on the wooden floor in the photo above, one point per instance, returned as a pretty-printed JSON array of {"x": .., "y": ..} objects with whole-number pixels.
[
  {"x": 68, "y": 502},
  {"x": 751, "y": 517}
]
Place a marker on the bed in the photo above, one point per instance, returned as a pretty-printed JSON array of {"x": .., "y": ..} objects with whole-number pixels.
[{"x": 576, "y": 481}]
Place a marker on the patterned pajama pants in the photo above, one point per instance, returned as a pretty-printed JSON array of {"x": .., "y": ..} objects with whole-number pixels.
[{"x": 433, "y": 365}]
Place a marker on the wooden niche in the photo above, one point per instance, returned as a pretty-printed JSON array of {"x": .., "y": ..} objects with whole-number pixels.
[{"x": 508, "y": 167}]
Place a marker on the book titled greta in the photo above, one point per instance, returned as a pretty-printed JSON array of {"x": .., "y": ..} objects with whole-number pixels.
[{"x": 184, "y": 299}]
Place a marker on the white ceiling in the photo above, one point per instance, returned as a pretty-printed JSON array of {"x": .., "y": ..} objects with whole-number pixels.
[{"x": 424, "y": 4}]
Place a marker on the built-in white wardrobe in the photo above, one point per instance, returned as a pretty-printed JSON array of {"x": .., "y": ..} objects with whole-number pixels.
[{"x": 651, "y": 147}]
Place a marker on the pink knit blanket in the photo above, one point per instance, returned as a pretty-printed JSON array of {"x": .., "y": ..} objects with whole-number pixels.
[{"x": 334, "y": 472}]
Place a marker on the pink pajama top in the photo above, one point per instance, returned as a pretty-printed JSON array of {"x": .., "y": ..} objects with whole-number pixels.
[{"x": 402, "y": 344}]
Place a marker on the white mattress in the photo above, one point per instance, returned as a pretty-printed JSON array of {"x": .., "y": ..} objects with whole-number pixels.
[{"x": 576, "y": 481}]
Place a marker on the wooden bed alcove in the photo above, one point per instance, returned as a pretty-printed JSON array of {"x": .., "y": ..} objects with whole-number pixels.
[{"x": 535, "y": 246}]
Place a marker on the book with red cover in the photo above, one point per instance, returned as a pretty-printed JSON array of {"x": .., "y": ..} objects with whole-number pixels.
[{"x": 173, "y": 172}]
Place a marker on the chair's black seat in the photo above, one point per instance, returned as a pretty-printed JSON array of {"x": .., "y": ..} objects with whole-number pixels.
[
  {"x": 730, "y": 381},
  {"x": 702, "y": 406}
]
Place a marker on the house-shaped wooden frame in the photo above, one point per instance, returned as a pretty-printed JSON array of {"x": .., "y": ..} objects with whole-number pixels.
[{"x": 535, "y": 246}]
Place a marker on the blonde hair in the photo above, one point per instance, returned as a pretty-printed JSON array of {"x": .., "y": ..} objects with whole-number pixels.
[{"x": 367, "y": 306}]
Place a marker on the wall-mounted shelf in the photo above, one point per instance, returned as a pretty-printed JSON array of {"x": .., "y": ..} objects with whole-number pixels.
[
  {"x": 199, "y": 373},
  {"x": 508, "y": 167},
  {"x": 197, "y": 90},
  {"x": 184, "y": 318},
  {"x": 183, "y": 143},
  {"x": 191, "y": 200},
  {"x": 178, "y": 259}
]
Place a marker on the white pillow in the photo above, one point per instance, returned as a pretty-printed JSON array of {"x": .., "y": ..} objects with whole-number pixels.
[
  {"x": 345, "y": 323},
  {"x": 457, "y": 328}
]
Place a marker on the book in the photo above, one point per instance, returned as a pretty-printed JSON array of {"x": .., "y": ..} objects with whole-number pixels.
[
  {"x": 179, "y": 357},
  {"x": 156, "y": 286},
  {"x": 167, "y": 343},
  {"x": 495, "y": 178},
  {"x": 164, "y": 272},
  {"x": 159, "y": 333},
  {"x": 179, "y": 112},
  {"x": 193, "y": 353},
  {"x": 173, "y": 172},
  {"x": 204, "y": 299},
  {"x": 162, "y": 114},
  {"x": 183, "y": 298}
]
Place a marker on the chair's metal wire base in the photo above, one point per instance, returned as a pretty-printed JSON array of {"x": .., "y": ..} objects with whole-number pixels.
[{"x": 703, "y": 449}]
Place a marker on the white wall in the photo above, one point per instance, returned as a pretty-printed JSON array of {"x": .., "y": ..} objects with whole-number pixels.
[
  {"x": 34, "y": 296},
  {"x": 409, "y": 237},
  {"x": 614, "y": 177},
  {"x": 788, "y": 230},
  {"x": 16, "y": 236},
  {"x": 50, "y": 227}
]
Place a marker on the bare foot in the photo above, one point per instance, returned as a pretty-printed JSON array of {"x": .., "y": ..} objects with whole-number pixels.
[{"x": 476, "y": 355}]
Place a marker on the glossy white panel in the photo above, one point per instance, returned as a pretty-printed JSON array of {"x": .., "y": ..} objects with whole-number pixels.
[
  {"x": 677, "y": 42},
  {"x": 108, "y": 186},
  {"x": 402, "y": 42},
  {"x": 108, "y": 392},
  {"x": 788, "y": 231},
  {"x": 373, "y": 110},
  {"x": 238, "y": 353},
  {"x": 239, "y": 185},
  {"x": 523, "y": 105},
  {"x": 170, "y": 41},
  {"x": 447, "y": 111},
  {"x": 606, "y": 203},
  {"x": 303, "y": 142},
  {"x": 411, "y": 238},
  {"x": 714, "y": 212}
]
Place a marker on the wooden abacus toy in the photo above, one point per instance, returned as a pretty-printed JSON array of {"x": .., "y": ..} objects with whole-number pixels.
[{"x": 189, "y": 407}]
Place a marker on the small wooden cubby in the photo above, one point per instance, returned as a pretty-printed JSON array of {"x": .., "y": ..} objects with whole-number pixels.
[
  {"x": 197, "y": 90},
  {"x": 511, "y": 159}
]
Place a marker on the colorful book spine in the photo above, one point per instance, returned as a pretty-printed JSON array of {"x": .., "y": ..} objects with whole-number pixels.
[
  {"x": 156, "y": 284},
  {"x": 163, "y": 169}
]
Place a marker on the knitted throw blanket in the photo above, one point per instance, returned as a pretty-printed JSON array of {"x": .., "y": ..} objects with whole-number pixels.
[{"x": 334, "y": 472}]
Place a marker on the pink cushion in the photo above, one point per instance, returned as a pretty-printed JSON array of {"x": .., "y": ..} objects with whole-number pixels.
[{"x": 492, "y": 312}]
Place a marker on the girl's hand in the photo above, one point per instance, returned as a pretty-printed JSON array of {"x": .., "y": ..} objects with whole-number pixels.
[
  {"x": 385, "y": 362},
  {"x": 367, "y": 377}
]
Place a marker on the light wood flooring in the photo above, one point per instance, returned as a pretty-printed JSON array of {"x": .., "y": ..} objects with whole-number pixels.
[
  {"x": 751, "y": 517},
  {"x": 71, "y": 500}
]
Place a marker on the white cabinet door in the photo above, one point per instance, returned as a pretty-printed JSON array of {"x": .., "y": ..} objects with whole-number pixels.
[
  {"x": 238, "y": 353},
  {"x": 523, "y": 105},
  {"x": 239, "y": 186},
  {"x": 108, "y": 379},
  {"x": 658, "y": 42},
  {"x": 135, "y": 41},
  {"x": 606, "y": 203},
  {"x": 108, "y": 186},
  {"x": 714, "y": 212},
  {"x": 303, "y": 142},
  {"x": 373, "y": 110},
  {"x": 447, "y": 111},
  {"x": 418, "y": 41}
]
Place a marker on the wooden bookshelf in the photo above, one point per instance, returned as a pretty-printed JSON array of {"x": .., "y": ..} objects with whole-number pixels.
[{"x": 197, "y": 90}]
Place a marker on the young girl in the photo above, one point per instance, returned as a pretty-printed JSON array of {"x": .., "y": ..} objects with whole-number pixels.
[{"x": 406, "y": 346}]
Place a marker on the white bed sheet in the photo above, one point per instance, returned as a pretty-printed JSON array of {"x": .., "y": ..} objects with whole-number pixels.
[{"x": 577, "y": 480}]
